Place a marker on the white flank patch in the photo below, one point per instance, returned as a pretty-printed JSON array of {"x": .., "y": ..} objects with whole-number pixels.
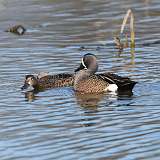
[{"x": 111, "y": 88}]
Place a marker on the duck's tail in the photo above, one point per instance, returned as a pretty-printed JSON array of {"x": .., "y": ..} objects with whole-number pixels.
[{"x": 124, "y": 84}]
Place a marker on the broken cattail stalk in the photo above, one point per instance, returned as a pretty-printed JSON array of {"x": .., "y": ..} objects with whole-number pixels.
[
  {"x": 125, "y": 20},
  {"x": 118, "y": 40},
  {"x": 132, "y": 33}
]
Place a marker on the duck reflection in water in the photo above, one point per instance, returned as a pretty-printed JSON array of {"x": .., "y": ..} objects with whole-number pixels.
[
  {"x": 88, "y": 100},
  {"x": 84, "y": 100},
  {"x": 30, "y": 96},
  {"x": 92, "y": 100}
]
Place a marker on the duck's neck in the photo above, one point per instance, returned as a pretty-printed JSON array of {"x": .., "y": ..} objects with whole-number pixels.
[
  {"x": 82, "y": 74},
  {"x": 37, "y": 86}
]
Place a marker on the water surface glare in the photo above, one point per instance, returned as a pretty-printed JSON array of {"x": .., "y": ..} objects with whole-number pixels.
[{"x": 58, "y": 123}]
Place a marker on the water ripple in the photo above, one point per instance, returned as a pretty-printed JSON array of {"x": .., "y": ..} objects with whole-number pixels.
[{"x": 59, "y": 123}]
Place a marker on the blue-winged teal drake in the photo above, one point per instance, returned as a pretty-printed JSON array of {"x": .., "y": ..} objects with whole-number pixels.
[
  {"x": 88, "y": 82},
  {"x": 38, "y": 83}
]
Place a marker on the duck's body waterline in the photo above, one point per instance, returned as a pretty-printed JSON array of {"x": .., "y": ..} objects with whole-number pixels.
[{"x": 65, "y": 80}]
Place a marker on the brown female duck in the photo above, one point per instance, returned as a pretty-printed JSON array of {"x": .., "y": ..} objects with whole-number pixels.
[{"x": 48, "y": 81}]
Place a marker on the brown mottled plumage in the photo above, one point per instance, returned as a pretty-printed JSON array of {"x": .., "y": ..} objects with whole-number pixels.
[
  {"x": 89, "y": 83},
  {"x": 48, "y": 81}
]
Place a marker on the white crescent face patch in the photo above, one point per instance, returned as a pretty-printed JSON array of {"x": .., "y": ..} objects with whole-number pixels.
[{"x": 83, "y": 64}]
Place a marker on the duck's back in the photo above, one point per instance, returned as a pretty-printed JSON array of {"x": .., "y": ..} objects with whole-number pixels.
[{"x": 59, "y": 80}]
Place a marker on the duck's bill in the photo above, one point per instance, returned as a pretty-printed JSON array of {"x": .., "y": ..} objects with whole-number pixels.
[
  {"x": 27, "y": 87},
  {"x": 79, "y": 68}
]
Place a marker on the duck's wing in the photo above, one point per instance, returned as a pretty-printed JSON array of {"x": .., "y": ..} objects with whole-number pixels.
[
  {"x": 106, "y": 78},
  {"x": 123, "y": 83},
  {"x": 57, "y": 80}
]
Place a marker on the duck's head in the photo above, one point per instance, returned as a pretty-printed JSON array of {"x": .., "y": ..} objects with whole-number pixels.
[
  {"x": 88, "y": 62},
  {"x": 30, "y": 82}
]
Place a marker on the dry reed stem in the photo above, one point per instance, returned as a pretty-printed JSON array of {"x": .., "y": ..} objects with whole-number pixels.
[{"x": 132, "y": 33}]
